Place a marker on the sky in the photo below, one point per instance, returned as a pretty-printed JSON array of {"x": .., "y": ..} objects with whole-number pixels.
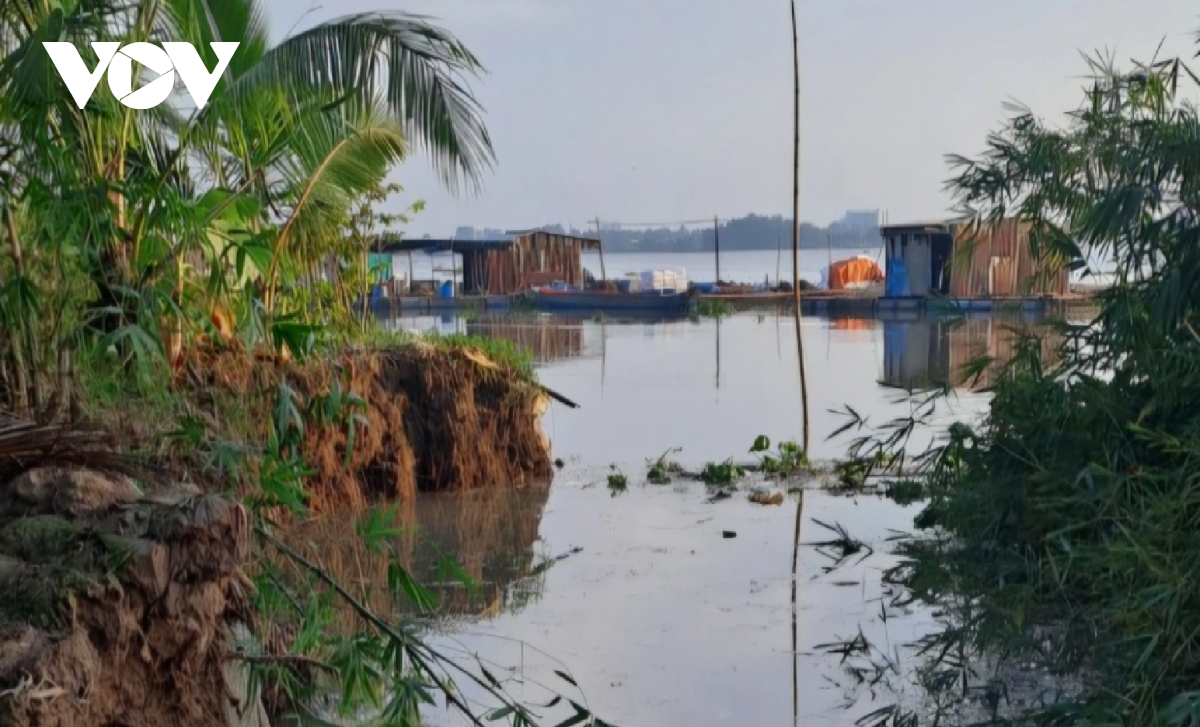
[{"x": 671, "y": 110}]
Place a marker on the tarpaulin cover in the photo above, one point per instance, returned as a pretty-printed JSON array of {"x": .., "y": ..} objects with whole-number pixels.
[
  {"x": 857, "y": 272},
  {"x": 897, "y": 279}
]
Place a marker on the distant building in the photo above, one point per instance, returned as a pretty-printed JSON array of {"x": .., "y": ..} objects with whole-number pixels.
[
  {"x": 856, "y": 228},
  {"x": 464, "y": 233},
  {"x": 857, "y": 221}
]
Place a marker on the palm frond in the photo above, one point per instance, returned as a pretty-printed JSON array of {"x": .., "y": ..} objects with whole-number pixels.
[
  {"x": 201, "y": 22},
  {"x": 415, "y": 69}
]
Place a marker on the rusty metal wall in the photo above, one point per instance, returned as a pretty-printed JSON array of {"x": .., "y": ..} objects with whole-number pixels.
[
  {"x": 996, "y": 262},
  {"x": 530, "y": 258}
]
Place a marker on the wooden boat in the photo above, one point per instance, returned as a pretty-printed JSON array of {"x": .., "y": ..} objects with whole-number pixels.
[{"x": 601, "y": 300}]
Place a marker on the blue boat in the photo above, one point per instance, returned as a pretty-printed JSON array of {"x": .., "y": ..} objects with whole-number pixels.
[{"x": 600, "y": 300}]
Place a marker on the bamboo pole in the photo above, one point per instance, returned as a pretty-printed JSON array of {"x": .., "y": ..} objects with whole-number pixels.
[
  {"x": 600, "y": 248},
  {"x": 796, "y": 223},
  {"x": 799, "y": 344},
  {"x": 778, "y": 258},
  {"x": 717, "y": 246},
  {"x": 795, "y": 639}
]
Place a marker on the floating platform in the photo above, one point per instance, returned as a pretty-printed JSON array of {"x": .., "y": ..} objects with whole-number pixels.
[
  {"x": 435, "y": 304},
  {"x": 605, "y": 301},
  {"x": 850, "y": 303}
]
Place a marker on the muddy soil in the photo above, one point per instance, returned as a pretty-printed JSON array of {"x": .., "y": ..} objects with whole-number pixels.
[{"x": 117, "y": 607}]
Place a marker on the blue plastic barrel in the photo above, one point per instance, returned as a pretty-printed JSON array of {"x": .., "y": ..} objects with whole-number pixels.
[{"x": 447, "y": 290}]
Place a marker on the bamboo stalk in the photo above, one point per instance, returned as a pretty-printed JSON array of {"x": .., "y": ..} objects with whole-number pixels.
[
  {"x": 600, "y": 247},
  {"x": 20, "y": 401},
  {"x": 796, "y": 224},
  {"x": 795, "y": 640}
]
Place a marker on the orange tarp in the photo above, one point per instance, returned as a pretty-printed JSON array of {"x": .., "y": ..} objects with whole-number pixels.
[
  {"x": 856, "y": 272},
  {"x": 853, "y": 324}
]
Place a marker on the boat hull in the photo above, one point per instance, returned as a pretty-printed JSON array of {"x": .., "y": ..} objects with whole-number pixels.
[{"x": 676, "y": 303}]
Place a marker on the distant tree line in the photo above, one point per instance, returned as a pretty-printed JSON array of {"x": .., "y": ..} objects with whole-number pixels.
[{"x": 752, "y": 232}]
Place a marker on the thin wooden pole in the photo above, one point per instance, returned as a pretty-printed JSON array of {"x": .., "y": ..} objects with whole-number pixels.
[
  {"x": 796, "y": 224},
  {"x": 717, "y": 246},
  {"x": 718, "y": 353},
  {"x": 829, "y": 257},
  {"x": 600, "y": 247},
  {"x": 778, "y": 258},
  {"x": 795, "y": 639},
  {"x": 799, "y": 348}
]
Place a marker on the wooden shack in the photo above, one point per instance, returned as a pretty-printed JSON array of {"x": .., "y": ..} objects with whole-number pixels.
[
  {"x": 506, "y": 266},
  {"x": 960, "y": 260}
]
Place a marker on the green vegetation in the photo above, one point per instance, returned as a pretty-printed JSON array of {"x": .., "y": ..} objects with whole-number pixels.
[
  {"x": 1062, "y": 529},
  {"x": 502, "y": 351},
  {"x": 789, "y": 459},
  {"x": 149, "y": 255},
  {"x": 661, "y": 469},
  {"x": 617, "y": 482},
  {"x": 713, "y": 308},
  {"x": 723, "y": 473}
]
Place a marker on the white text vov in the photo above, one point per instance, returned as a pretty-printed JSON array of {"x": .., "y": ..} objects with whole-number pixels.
[{"x": 172, "y": 58}]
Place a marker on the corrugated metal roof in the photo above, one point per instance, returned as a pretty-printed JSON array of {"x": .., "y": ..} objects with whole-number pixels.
[{"x": 942, "y": 225}]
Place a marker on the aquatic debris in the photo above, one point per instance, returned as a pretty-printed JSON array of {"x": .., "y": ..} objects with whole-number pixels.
[
  {"x": 728, "y": 534},
  {"x": 725, "y": 473},
  {"x": 661, "y": 469},
  {"x": 789, "y": 459},
  {"x": 559, "y": 463},
  {"x": 617, "y": 482},
  {"x": 718, "y": 496},
  {"x": 545, "y": 564},
  {"x": 765, "y": 498},
  {"x": 713, "y": 308}
]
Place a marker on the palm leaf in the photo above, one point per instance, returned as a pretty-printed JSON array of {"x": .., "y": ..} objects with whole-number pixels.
[
  {"x": 415, "y": 69},
  {"x": 201, "y": 22}
]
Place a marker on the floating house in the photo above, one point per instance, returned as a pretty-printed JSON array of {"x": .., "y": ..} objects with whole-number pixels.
[
  {"x": 956, "y": 259},
  {"x": 510, "y": 264}
]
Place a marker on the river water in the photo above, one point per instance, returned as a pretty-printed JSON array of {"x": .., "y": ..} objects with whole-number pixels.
[{"x": 659, "y": 618}]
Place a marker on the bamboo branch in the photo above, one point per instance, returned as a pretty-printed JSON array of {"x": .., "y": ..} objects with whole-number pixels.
[{"x": 383, "y": 627}]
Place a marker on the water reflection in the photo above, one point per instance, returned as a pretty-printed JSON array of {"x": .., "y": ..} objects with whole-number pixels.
[
  {"x": 548, "y": 337},
  {"x": 930, "y": 352},
  {"x": 661, "y": 619},
  {"x": 493, "y": 535}
]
